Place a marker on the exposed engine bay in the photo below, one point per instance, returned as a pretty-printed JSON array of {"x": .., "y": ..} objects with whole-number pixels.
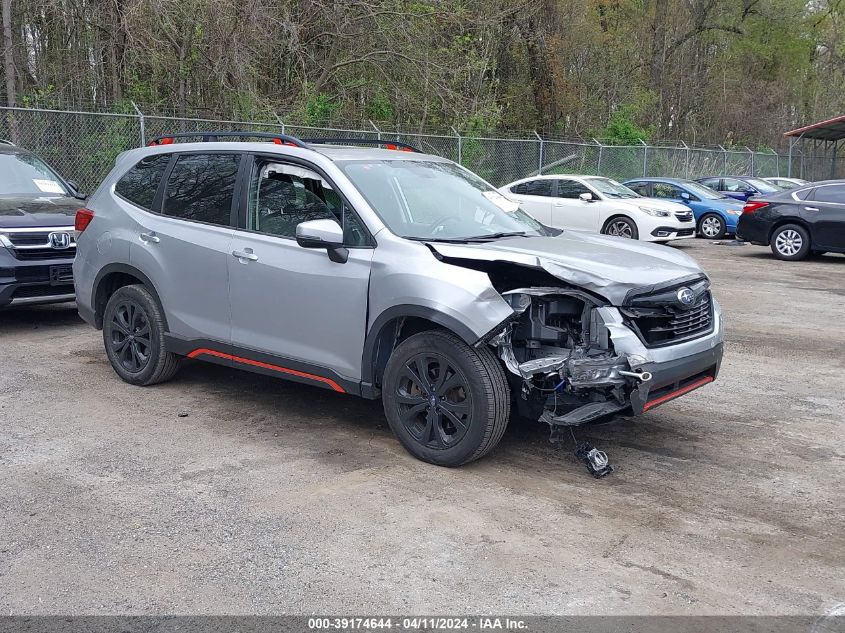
[{"x": 561, "y": 359}]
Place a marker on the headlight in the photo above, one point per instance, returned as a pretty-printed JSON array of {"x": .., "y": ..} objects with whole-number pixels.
[
  {"x": 733, "y": 211},
  {"x": 655, "y": 212}
]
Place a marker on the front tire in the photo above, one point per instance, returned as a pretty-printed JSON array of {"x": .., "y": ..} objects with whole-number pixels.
[
  {"x": 712, "y": 227},
  {"x": 133, "y": 335},
  {"x": 448, "y": 403},
  {"x": 790, "y": 242},
  {"x": 620, "y": 226}
]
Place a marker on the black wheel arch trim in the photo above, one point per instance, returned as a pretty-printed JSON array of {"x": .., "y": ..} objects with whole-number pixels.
[
  {"x": 783, "y": 221},
  {"x": 127, "y": 270},
  {"x": 393, "y": 316}
]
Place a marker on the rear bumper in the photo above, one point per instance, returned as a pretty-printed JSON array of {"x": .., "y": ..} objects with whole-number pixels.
[
  {"x": 33, "y": 282},
  {"x": 752, "y": 229}
]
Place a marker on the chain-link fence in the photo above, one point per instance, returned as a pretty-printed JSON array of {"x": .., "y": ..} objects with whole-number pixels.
[{"x": 82, "y": 146}]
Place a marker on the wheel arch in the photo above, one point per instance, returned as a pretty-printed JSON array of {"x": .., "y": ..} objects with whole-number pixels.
[
  {"x": 393, "y": 326},
  {"x": 790, "y": 220},
  {"x": 112, "y": 277},
  {"x": 615, "y": 215}
]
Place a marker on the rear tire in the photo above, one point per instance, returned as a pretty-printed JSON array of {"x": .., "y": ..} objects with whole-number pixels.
[
  {"x": 712, "y": 227},
  {"x": 790, "y": 242},
  {"x": 448, "y": 403},
  {"x": 621, "y": 226},
  {"x": 133, "y": 335}
]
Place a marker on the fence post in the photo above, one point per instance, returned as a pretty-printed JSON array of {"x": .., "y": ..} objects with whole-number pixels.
[
  {"x": 686, "y": 162},
  {"x": 140, "y": 123},
  {"x": 598, "y": 167},
  {"x": 456, "y": 133},
  {"x": 751, "y": 151},
  {"x": 279, "y": 119},
  {"x": 789, "y": 164},
  {"x": 725, "y": 156},
  {"x": 645, "y": 158},
  {"x": 541, "y": 159},
  {"x": 378, "y": 131}
]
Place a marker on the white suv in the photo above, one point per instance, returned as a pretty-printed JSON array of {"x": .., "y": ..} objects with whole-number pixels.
[{"x": 600, "y": 205}]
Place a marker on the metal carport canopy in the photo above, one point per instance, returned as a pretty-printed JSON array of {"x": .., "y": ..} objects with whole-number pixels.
[{"x": 829, "y": 132}]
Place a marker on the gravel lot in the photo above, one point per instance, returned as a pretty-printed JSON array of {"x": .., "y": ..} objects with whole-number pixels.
[{"x": 274, "y": 497}]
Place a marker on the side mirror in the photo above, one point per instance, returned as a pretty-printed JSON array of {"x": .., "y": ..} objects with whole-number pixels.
[
  {"x": 685, "y": 195},
  {"x": 76, "y": 192},
  {"x": 586, "y": 197},
  {"x": 326, "y": 234}
]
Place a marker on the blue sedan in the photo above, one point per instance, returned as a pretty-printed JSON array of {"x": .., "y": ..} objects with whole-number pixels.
[
  {"x": 715, "y": 214},
  {"x": 739, "y": 187}
]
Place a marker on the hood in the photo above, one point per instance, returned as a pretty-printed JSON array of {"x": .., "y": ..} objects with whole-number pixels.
[
  {"x": 664, "y": 205},
  {"x": 607, "y": 266},
  {"x": 21, "y": 212}
]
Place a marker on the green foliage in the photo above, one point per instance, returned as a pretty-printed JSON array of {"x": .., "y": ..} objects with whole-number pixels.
[
  {"x": 622, "y": 130},
  {"x": 379, "y": 108},
  {"x": 319, "y": 108}
]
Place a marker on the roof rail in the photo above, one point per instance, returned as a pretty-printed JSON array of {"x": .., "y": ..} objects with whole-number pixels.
[
  {"x": 282, "y": 139},
  {"x": 210, "y": 137},
  {"x": 405, "y": 147},
  {"x": 4, "y": 141}
]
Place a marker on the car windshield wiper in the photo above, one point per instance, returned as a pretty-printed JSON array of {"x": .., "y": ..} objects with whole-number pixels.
[{"x": 495, "y": 236}]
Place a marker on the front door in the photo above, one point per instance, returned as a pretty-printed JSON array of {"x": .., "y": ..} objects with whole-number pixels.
[
  {"x": 294, "y": 309},
  {"x": 826, "y": 212},
  {"x": 569, "y": 211}
]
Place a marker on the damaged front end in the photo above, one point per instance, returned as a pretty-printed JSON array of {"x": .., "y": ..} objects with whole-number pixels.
[{"x": 562, "y": 361}]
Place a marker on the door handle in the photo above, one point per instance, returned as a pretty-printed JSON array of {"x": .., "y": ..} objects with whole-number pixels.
[
  {"x": 149, "y": 238},
  {"x": 811, "y": 208},
  {"x": 245, "y": 255}
]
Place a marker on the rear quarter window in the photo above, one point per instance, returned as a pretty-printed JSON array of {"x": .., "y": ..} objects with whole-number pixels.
[{"x": 139, "y": 184}]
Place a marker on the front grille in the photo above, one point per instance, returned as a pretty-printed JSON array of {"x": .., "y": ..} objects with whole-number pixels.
[
  {"x": 684, "y": 216},
  {"x": 35, "y": 244},
  {"x": 670, "y": 324},
  {"x": 45, "y": 253}
]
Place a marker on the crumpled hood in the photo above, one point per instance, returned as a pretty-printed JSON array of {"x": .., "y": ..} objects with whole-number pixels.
[
  {"x": 21, "y": 212},
  {"x": 607, "y": 266}
]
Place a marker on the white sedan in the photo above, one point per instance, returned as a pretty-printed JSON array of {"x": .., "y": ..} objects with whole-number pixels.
[{"x": 600, "y": 205}]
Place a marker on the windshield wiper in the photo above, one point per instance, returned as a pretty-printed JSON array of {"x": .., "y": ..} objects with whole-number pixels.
[{"x": 495, "y": 236}]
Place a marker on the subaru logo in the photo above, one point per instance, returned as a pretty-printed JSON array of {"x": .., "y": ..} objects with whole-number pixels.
[
  {"x": 686, "y": 296},
  {"x": 59, "y": 240}
]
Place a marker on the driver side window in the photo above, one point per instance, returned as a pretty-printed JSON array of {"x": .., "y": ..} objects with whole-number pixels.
[
  {"x": 732, "y": 184},
  {"x": 282, "y": 195}
]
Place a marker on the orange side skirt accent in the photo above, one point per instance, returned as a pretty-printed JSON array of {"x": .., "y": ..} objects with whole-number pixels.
[{"x": 255, "y": 363}]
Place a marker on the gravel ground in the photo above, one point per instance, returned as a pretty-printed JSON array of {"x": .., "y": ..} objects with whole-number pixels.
[{"x": 274, "y": 497}]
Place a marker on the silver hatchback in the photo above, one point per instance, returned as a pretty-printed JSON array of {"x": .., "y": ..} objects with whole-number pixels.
[{"x": 386, "y": 274}]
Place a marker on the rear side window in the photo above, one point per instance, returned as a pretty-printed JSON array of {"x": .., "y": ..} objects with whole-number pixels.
[
  {"x": 830, "y": 193},
  {"x": 201, "y": 188},
  {"x": 139, "y": 184},
  {"x": 713, "y": 183},
  {"x": 640, "y": 187},
  {"x": 534, "y": 188}
]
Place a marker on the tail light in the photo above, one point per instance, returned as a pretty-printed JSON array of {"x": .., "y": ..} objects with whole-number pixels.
[
  {"x": 83, "y": 219},
  {"x": 751, "y": 207}
]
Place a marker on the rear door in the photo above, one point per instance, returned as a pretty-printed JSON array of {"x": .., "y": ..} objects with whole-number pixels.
[
  {"x": 826, "y": 213},
  {"x": 535, "y": 198},
  {"x": 184, "y": 244},
  {"x": 294, "y": 309},
  {"x": 570, "y": 212}
]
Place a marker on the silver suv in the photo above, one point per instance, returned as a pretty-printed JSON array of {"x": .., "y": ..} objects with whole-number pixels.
[{"x": 386, "y": 274}]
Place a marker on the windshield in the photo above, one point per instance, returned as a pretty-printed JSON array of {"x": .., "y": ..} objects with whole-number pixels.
[
  {"x": 762, "y": 186},
  {"x": 26, "y": 175},
  {"x": 611, "y": 188},
  {"x": 705, "y": 193},
  {"x": 433, "y": 200}
]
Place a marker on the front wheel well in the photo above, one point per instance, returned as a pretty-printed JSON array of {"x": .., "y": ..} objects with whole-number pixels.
[
  {"x": 381, "y": 343},
  {"x": 110, "y": 283},
  {"x": 616, "y": 216}
]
